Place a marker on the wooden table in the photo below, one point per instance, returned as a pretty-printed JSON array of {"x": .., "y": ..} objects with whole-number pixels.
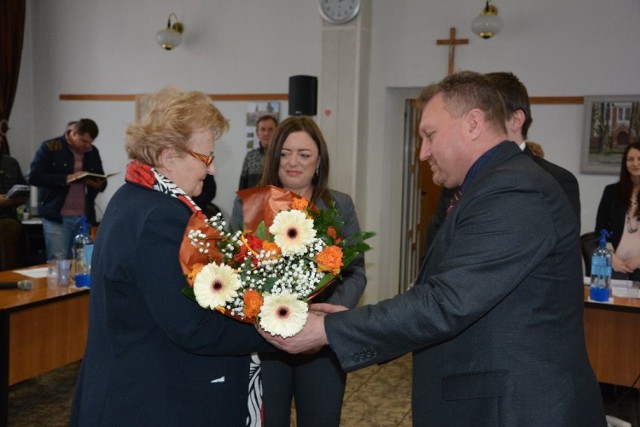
[
  {"x": 612, "y": 333},
  {"x": 40, "y": 330}
]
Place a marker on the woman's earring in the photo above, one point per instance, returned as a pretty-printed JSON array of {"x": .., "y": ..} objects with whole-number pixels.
[{"x": 317, "y": 168}]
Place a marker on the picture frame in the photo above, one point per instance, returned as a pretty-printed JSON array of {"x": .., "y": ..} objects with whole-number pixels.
[{"x": 611, "y": 122}]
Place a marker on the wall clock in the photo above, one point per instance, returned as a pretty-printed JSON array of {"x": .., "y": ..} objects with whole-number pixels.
[{"x": 339, "y": 11}]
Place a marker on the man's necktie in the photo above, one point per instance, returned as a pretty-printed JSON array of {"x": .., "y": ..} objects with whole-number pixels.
[{"x": 454, "y": 200}]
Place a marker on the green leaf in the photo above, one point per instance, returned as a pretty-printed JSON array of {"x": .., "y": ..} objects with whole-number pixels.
[
  {"x": 357, "y": 238},
  {"x": 362, "y": 247},
  {"x": 188, "y": 292},
  {"x": 261, "y": 232},
  {"x": 325, "y": 281},
  {"x": 346, "y": 260},
  {"x": 268, "y": 285}
]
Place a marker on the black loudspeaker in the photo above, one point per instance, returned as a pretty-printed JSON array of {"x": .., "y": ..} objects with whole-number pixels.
[{"x": 303, "y": 95}]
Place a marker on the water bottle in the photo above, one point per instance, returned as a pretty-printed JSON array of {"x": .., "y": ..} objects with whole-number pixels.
[
  {"x": 82, "y": 252},
  {"x": 600, "y": 288}
]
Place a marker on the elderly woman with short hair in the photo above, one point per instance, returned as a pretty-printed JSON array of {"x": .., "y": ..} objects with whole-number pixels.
[{"x": 154, "y": 357}]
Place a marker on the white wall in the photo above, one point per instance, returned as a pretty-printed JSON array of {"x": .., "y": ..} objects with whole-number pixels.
[
  {"x": 567, "y": 48},
  {"x": 93, "y": 47}
]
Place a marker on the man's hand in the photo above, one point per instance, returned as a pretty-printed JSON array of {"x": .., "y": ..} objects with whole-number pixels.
[
  {"x": 90, "y": 181},
  {"x": 15, "y": 201},
  {"x": 73, "y": 176},
  {"x": 327, "y": 308},
  {"x": 4, "y": 201},
  {"x": 95, "y": 183},
  {"x": 310, "y": 339}
]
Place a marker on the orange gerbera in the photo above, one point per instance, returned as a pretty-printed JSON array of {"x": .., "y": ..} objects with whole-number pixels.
[
  {"x": 330, "y": 259},
  {"x": 299, "y": 203},
  {"x": 252, "y": 303}
]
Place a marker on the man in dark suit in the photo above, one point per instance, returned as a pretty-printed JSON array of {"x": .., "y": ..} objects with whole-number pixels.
[
  {"x": 516, "y": 99},
  {"x": 519, "y": 119},
  {"x": 495, "y": 319}
]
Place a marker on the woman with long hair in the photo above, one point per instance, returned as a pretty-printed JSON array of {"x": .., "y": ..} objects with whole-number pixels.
[
  {"x": 618, "y": 213},
  {"x": 298, "y": 160}
]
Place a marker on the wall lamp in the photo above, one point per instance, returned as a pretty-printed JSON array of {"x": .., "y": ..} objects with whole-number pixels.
[
  {"x": 488, "y": 23},
  {"x": 171, "y": 36}
]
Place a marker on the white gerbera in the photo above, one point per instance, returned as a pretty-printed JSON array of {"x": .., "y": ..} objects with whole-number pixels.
[
  {"x": 292, "y": 231},
  {"x": 283, "y": 314},
  {"x": 215, "y": 285}
]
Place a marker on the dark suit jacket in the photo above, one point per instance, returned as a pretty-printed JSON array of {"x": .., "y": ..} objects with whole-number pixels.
[
  {"x": 495, "y": 321},
  {"x": 566, "y": 179},
  {"x": 153, "y": 356}
]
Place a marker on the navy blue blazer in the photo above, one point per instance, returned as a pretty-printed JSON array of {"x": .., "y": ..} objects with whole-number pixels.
[
  {"x": 153, "y": 356},
  {"x": 495, "y": 322}
]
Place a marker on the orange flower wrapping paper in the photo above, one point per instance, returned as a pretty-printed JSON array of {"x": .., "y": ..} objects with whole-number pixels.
[
  {"x": 262, "y": 204},
  {"x": 191, "y": 259}
]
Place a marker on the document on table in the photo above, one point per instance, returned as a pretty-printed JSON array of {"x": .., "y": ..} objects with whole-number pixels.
[{"x": 34, "y": 273}]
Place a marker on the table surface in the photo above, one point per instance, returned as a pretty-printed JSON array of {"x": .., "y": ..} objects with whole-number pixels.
[
  {"x": 41, "y": 330},
  {"x": 39, "y": 293},
  {"x": 617, "y": 303}
]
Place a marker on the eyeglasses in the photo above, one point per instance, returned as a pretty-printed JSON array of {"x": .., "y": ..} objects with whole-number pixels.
[{"x": 207, "y": 160}]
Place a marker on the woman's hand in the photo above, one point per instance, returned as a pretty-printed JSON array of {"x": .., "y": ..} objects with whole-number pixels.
[
  {"x": 619, "y": 265},
  {"x": 632, "y": 263}
]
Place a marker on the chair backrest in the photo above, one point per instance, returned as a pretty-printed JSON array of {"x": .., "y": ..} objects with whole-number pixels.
[
  {"x": 588, "y": 243},
  {"x": 10, "y": 231}
]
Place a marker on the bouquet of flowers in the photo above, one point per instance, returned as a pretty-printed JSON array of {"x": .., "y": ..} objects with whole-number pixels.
[{"x": 288, "y": 252}]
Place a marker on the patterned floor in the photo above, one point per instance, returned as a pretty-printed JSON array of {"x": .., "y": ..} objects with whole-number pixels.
[
  {"x": 44, "y": 400},
  {"x": 377, "y": 396}
]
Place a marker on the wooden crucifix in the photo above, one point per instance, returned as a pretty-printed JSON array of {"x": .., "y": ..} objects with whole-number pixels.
[{"x": 452, "y": 42}]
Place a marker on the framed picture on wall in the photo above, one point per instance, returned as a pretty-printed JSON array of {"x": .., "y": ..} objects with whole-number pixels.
[{"x": 610, "y": 124}]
